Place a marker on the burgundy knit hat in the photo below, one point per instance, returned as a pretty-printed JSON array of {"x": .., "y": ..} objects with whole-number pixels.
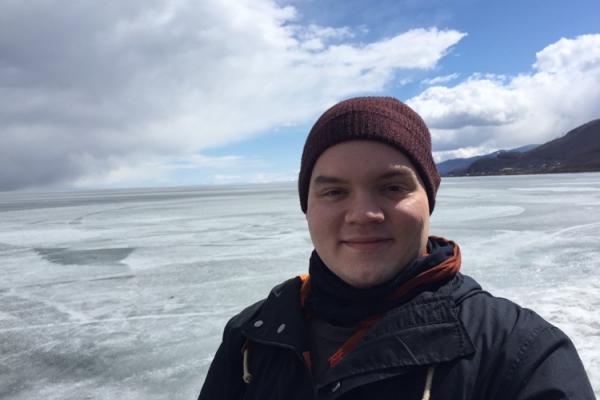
[{"x": 384, "y": 119}]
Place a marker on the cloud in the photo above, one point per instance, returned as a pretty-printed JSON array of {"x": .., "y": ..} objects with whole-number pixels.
[
  {"x": 464, "y": 152},
  {"x": 491, "y": 112},
  {"x": 98, "y": 90},
  {"x": 165, "y": 171},
  {"x": 440, "y": 79},
  {"x": 559, "y": 56},
  {"x": 478, "y": 101}
]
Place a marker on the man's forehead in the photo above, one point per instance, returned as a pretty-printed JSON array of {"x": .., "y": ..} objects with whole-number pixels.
[{"x": 358, "y": 150}]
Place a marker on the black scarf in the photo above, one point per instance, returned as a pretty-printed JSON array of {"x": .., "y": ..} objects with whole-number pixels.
[{"x": 338, "y": 303}]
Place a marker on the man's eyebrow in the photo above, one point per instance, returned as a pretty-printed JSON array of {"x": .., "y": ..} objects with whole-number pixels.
[
  {"x": 399, "y": 172},
  {"x": 324, "y": 179}
]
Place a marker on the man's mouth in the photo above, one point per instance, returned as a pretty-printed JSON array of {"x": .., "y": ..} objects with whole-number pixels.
[{"x": 366, "y": 243}]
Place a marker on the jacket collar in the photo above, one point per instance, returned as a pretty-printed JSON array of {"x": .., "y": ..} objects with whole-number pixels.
[
  {"x": 280, "y": 320},
  {"x": 423, "y": 331}
]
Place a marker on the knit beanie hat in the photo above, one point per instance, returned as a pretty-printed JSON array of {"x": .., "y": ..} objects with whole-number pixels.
[{"x": 383, "y": 119}]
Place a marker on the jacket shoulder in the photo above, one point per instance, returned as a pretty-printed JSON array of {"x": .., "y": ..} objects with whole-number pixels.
[
  {"x": 236, "y": 323},
  {"x": 519, "y": 353},
  {"x": 499, "y": 317},
  {"x": 224, "y": 378}
]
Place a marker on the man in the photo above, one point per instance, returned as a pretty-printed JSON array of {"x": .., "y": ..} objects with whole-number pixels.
[{"x": 384, "y": 312}]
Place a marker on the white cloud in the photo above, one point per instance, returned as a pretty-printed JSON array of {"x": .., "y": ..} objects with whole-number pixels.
[
  {"x": 99, "y": 88},
  {"x": 478, "y": 101},
  {"x": 314, "y": 37},
  {"x": 440, "y": 79},
  {"x": 164, "y": 171},
  {"x": 463, "y": 152},
  {"x": 494, "y": 112},
  {"x": 559, "y": 56}
]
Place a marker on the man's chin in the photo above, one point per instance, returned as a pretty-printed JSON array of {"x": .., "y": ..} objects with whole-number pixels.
[{"x": 366, "y": 278}]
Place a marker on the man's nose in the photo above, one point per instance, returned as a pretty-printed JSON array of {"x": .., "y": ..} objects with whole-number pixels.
[{"x": 364, "y": 208}]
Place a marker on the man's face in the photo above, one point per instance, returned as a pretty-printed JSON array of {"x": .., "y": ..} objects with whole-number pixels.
[{"x": 368, "y": 212}]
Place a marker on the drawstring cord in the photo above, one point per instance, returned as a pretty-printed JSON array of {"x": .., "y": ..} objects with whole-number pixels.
[
  {"x": 428, "y": 382},
  {"x": 247, "y": 377}
]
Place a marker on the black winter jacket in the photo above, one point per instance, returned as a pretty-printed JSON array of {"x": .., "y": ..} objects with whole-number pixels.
[{"x": 477, "y": 346}]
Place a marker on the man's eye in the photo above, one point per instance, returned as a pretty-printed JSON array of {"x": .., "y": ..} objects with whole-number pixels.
[
  {"x": 395, "y": 188},
  {"x": 332, "y": 193}
]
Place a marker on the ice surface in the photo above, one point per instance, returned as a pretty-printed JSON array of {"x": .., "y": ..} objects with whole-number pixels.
[
  {"x": 125, "y": 293},
  {"x": 84, "y": 257}
]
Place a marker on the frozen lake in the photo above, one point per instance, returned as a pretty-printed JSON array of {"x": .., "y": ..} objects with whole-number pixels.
[{"x": 124, "y": 293}]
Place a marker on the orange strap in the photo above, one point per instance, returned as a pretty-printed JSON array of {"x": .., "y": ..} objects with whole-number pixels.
[
  {"x": 353, "y": 341},
  {"x": 304, "y": 288}
]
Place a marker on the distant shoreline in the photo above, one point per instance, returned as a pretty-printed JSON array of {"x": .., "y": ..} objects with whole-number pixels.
[{"x": 508, "y": 173}]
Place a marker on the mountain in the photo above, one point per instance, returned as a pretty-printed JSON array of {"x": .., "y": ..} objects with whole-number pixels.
[
  {"x": 448, "y": 167},
  {"x": 577, "y": 151}
]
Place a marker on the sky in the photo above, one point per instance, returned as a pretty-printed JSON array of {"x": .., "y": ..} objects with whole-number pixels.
[{"x": 148, "y": 93}]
